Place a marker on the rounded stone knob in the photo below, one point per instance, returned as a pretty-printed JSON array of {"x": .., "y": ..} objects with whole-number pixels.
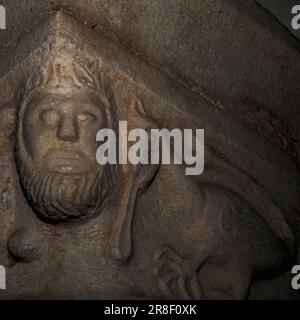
[{"x": 26, "y": 245}]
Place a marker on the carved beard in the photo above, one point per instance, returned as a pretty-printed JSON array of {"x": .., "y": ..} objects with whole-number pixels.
[{"x": 60, "y": 197}]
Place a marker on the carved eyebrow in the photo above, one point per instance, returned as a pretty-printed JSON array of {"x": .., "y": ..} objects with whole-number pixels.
[
  {"x": 43, "y": 106},
  {"x": 85, "y": 107},
  {"x": 93, "y": 109}
]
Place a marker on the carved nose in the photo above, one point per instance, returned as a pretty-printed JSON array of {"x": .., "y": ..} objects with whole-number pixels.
[{"x": 67, "y": 130}]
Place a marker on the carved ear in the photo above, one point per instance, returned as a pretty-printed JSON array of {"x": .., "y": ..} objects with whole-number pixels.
[{"x": 7, "y": 119}]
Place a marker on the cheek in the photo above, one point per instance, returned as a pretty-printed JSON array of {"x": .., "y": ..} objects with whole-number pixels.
[
  {"x": 37, "y": 140},
  {"x": 88, "y": 141}
]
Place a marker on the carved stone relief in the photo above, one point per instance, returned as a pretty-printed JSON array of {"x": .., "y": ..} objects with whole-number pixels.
[{"x": 70, "y": 228}]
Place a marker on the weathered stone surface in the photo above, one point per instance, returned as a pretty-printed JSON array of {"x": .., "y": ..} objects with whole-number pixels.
[
  {"x": 133, "y": 231},
  {"x": 233, "y": 52}
]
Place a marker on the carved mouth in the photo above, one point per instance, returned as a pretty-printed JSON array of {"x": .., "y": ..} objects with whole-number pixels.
[{"x": 67, "y": 162}]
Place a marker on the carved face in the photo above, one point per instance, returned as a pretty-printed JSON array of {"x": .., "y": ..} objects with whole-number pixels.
[
  {"x": 56, "y": 154},
  {"x": 59, "y": 131}
]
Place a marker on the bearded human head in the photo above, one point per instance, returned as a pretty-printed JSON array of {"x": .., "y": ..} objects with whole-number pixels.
[{"x": 61, "y": 108}]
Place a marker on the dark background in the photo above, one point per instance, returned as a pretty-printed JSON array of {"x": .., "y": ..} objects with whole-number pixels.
[{"x": 282, "y": 10}]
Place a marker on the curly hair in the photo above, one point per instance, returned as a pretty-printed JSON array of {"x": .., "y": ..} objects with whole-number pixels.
[{"x": 70, "y": 77}]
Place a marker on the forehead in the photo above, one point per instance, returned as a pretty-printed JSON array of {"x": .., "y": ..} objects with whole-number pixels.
[{"x": 80, "y": 100}]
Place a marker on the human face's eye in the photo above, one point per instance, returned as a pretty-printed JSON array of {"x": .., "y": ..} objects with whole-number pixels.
[
  {"x": 50, "y": 118},
  {"x": 86, "y": 117}
]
